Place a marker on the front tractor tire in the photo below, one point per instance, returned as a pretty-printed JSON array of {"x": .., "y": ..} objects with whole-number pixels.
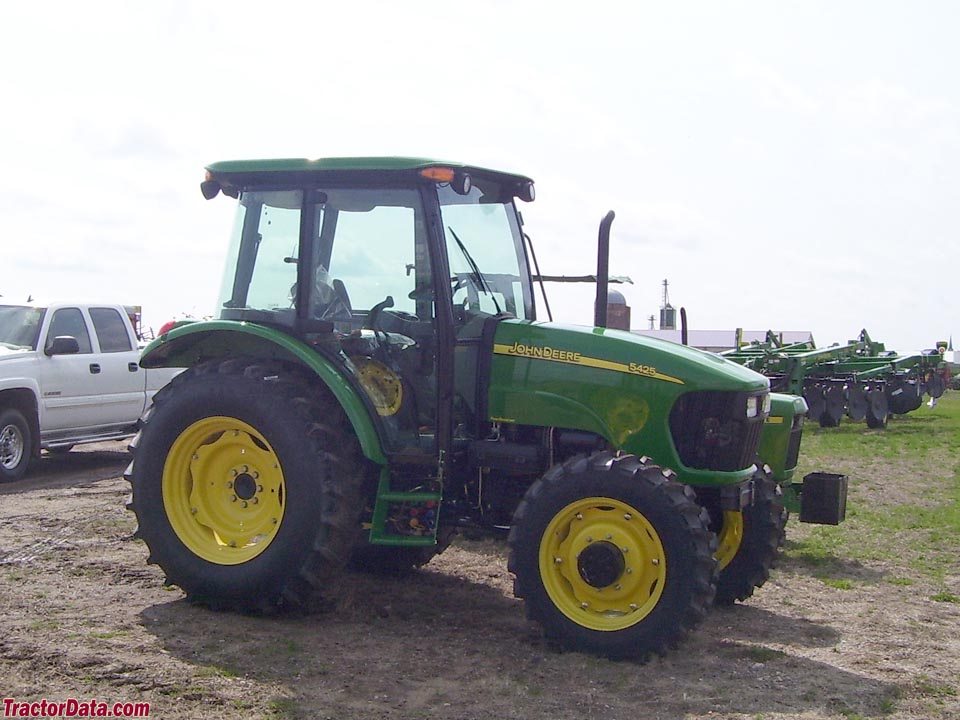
[
  {"x": 750, "y": 541},
  {"x": 613, "y": 556},
  {"x": 246, "y": 485}
]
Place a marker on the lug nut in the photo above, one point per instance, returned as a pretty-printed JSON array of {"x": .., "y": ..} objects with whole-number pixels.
[
  {"x": 244, "y": 503},
  {"x": 627, "y": 516}
]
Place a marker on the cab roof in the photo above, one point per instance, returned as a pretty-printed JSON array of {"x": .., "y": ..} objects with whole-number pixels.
[{"x": 283, "y": 171}]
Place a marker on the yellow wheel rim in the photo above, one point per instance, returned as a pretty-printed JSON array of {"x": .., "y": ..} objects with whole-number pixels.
[
  {"x": 381, "y": 384},
  {"x": 731, "y": 535},
  {"x": 223, "y": 490},
  {"x": 602, "y": 564}
]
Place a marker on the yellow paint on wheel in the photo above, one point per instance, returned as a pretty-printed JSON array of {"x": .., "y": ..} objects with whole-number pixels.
[
  {"x": 602, "y": 563},
  {"x": 223, "y": 490},
  {"x": 381, "y": 384},
  {"x": 731, "y": 535}
]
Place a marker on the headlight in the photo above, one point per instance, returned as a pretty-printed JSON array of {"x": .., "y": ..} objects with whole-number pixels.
[
  {"x": 766, "y": 403},
  {"x": 752, "y": 405}
]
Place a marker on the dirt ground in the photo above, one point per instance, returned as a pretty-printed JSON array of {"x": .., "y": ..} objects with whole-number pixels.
[{"x": 82, "y": 615}]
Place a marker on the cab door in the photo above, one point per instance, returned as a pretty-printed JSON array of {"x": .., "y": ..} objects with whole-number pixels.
[{"x": 372, "y": 279}]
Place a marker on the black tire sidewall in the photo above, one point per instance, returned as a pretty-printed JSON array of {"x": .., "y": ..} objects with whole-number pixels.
[{"x": 763, "y": 535}]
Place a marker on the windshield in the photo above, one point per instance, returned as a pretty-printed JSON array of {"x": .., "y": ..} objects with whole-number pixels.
[
  {"x": 19, "y": 327},
  {"x": 488, "y": 266}
]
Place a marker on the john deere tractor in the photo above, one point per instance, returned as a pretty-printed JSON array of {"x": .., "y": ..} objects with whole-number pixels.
[{"x": 378, "y": 378}]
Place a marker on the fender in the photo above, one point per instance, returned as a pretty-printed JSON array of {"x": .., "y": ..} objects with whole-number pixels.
[
  {"x": 190, "y": 344},
  {"x": 23, "y": 393}
]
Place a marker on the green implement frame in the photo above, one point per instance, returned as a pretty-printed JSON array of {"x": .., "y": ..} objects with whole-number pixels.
[{"x": 861, "y": 379}]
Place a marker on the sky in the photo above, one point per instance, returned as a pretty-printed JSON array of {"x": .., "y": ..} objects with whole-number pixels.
[{"x": 784, "y": 165}]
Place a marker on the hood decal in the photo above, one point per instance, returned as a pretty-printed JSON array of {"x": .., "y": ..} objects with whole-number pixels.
[{"x": 571, "y": 357}]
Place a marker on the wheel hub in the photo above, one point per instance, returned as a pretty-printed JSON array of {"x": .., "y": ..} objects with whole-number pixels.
[
  {"x": 245, "y": 486},
  {"x": 601, "y": 564},
  {"x": 11, "y": 447}
]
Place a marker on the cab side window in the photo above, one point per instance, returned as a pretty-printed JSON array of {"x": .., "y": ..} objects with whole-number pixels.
[
  {"x": 111, "y": 330},
  {"x": 69, "y": 321}
]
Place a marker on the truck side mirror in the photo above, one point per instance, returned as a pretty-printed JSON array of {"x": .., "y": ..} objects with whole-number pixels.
[{"x": 62, "y": 345}]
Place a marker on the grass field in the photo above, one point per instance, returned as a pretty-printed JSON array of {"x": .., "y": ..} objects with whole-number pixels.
[{"x": 904, "y": 502}]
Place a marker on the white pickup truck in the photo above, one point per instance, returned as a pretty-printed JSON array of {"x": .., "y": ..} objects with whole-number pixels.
[{"x": 69, "y": 374}]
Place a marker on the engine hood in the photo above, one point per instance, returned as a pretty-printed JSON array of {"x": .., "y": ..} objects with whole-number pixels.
[{"x": 624, "y": 352}]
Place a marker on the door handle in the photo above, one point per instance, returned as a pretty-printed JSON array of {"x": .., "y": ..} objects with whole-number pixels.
[
  {"x": 132, "y": 367},
  {"x": 95, "y": 368}
]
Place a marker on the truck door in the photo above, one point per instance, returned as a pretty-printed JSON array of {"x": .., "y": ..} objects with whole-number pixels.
[
  {"x": 121, "y": 381},
  {"x": 67, "y": 382}
]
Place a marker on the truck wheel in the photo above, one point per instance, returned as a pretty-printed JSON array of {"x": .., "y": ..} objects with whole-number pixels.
[
  {"x": 613, "y": 556},
  {"x": 15, "y": 445},
  {"x": 750, "y": 541},
  {"x": 246, "y": 484}
]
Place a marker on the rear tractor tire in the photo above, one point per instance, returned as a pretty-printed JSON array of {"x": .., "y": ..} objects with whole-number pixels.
[
  {"x": 750, "y": 541},
  {"x": 613, "y": 556},
  {"x": 246, "y": 485}
]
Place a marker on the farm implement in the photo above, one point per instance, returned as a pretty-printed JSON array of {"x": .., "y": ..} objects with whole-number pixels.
[{"x": 862, "y": 379}]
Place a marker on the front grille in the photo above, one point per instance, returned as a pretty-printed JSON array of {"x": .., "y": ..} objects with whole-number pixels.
[{"x": 711, "y": 430}]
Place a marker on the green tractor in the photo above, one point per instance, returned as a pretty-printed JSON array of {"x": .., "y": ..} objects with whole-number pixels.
[{"x": 378, "y": 379}]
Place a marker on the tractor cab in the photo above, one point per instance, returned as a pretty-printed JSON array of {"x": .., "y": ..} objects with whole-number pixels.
[{"x": 396, "y": 269}]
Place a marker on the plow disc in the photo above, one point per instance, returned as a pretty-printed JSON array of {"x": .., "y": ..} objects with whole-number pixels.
[{"x": 857, "y": 402}]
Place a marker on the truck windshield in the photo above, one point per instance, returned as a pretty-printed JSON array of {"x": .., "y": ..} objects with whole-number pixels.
[
  {"x": 488, "y": 266},
  {"x": 19, "y": 327}
]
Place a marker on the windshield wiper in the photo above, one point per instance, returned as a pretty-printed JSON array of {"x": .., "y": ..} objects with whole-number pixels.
[{"x": 475, "y": 271}]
